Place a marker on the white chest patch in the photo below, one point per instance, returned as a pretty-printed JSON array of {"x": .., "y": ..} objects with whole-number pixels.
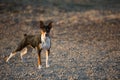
[{"x": 45, "y": 43}]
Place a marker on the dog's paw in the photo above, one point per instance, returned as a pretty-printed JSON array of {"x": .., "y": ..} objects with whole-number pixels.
[
  {"x": 47, "y": 65},
  {"x": 7, "y": 60},
  {"x": 39, "y": 67},
  {"x": 23, "y": 60}
]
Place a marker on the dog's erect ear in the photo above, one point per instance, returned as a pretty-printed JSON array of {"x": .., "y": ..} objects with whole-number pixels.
[
  {"x": 50, "y": 25},
  {"x": 41, "y": 24}
]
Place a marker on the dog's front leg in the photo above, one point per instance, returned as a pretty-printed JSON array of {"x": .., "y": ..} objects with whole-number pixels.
[
  {"x": 39, "y": 59},
  {"x": 47, "y": 58}
]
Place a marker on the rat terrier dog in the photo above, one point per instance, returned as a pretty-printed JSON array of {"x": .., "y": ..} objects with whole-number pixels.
[{"x": 40, "y": 42}]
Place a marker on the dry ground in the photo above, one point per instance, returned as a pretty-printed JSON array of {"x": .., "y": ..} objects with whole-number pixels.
[{"x": 85, "y": 41}]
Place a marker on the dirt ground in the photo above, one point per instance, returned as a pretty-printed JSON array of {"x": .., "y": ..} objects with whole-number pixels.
[{"x": 85, "y": 40}]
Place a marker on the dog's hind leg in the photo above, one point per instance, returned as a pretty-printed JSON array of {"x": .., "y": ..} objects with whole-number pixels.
[
  {"x": 23, "y": 52},
  {"x": 11, "y": 55},
  {"x": 21, "y": 46}
]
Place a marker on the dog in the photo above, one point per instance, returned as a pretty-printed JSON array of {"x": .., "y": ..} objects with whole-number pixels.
[{"x": 39, "y": 42}]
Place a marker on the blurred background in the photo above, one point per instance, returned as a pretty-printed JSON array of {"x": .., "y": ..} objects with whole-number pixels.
[{"x": 62, "y": 4}]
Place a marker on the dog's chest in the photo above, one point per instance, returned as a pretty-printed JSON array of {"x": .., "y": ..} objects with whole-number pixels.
[{"x": 45, "y": 43}]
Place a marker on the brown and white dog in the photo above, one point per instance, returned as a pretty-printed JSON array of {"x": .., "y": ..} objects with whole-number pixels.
[{"x": 40, "y": 42}]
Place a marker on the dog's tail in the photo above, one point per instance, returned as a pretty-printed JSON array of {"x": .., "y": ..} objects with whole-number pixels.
[{"x": 25, "y": 34}]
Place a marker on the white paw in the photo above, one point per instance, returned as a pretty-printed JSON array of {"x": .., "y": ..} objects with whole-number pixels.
[
  {"x": 47, "y": 65},
  {"x": 7, "y": 61},
  {"x": 23, "y": 60},
  {"x": 39, "y": 67}
]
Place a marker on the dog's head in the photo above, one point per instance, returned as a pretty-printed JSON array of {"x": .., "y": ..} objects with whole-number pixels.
[{"x": 45, "y": 29}]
